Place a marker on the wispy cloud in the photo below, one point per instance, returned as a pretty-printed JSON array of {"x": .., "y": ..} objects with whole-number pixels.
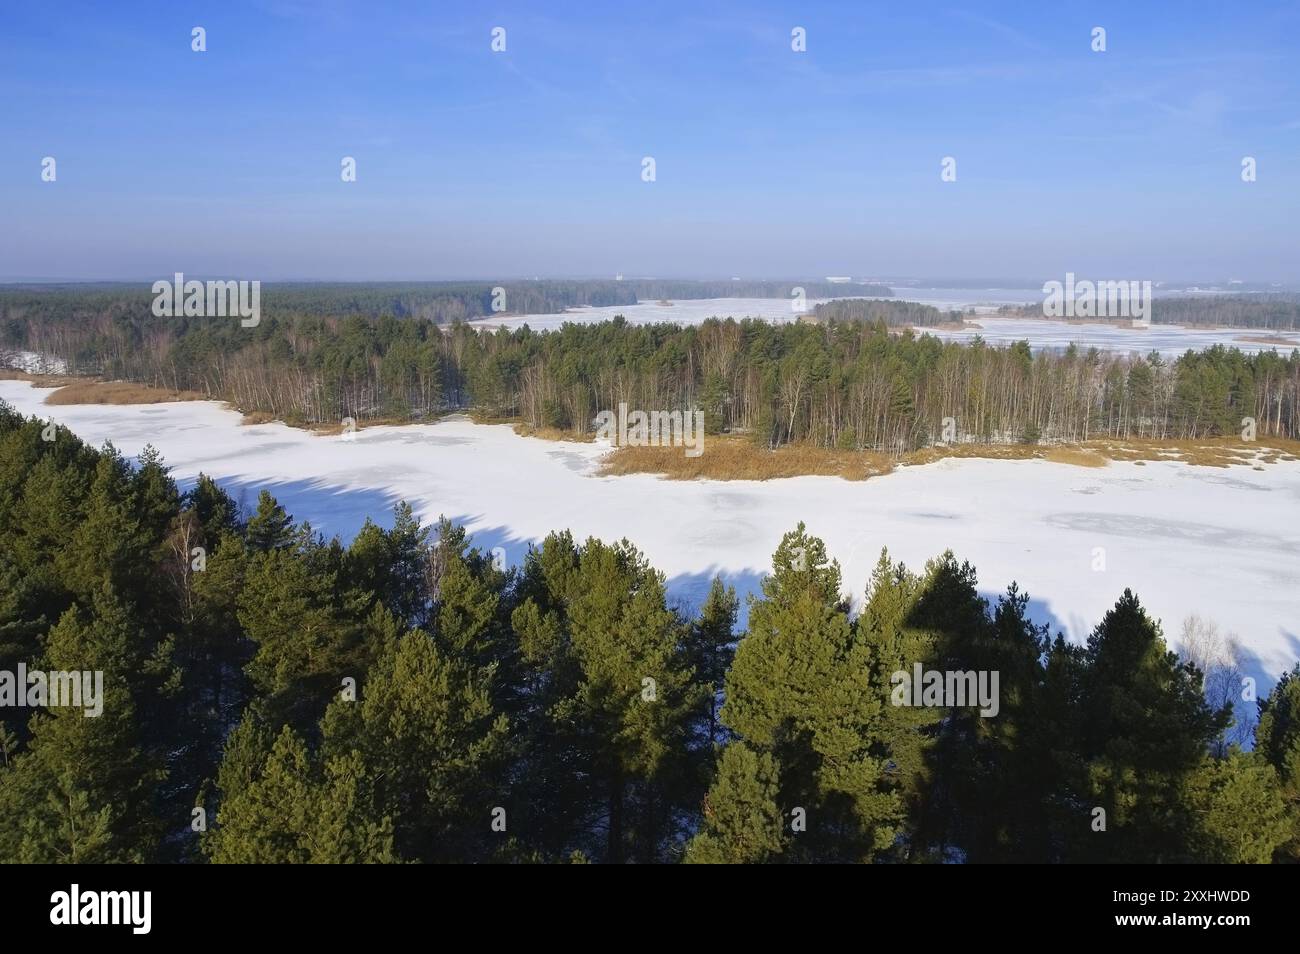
[{"x": 1019, "y": 37}]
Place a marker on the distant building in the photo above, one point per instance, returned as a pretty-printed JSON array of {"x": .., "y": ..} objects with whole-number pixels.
[{"x": 839, "y": 279}]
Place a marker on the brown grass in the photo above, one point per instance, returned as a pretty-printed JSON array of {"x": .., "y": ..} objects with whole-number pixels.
[
  {"x": 734, "y": 458},
  {"x": 727, "y": 457},
  {"x": 117, "y": 392},
  {"x": 1078, "y": 455},
  {"x": 1206, "y": 452},
  {"x": 547, "y": 433},
  {"x": 257, "y": 417}
]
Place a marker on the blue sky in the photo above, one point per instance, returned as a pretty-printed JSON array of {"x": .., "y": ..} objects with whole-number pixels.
[{"x": 475, "y": 164}]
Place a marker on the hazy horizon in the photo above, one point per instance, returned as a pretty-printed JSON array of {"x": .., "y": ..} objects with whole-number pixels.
[{"x": 897, "y": 283}]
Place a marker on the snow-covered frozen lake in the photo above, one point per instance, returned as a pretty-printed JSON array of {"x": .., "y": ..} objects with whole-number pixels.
[
  {"x": 1224, "y": 543},
  {"x": 1169, "y": 340},
  {"x": 683, "y": 312}
]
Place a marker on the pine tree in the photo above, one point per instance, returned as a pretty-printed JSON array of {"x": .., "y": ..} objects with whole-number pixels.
[
  {"x": 110, "y": 544},
  {"x": 1009, "y": 818},
  {"x": 1239, "y": 811},
  {"x": 368, "y": 559},
  {"x": 711, "y": 646},
  {"x": 1277, "y": 740},
  {"x": 306, "y": 639},
  {"x": 1145, "y": 727},
  {"x": 887, "y": 626},
  {"x": 22, "y": 624},
  {"x": 50, "y": 503},
  {"x": 270, "y": 528},
  {"x": 425, "y": 729},
  {"x": 280, "y": 806},
  {"x": 408, "y": 544},
  {"x": 84, "y": 789},
  {"x": 742, "y": 821},
  {"x": 801, "y": 691},
  {"x": 393, "y": 564},
  {"x": 215, "y": 645},
  {"x": 616, "y": 701},
  {"x": 470, "y": 612},
  {"x": 155, "y": 496},
  {"x": 984, "y": 788},
  {"x": 217, "y": 512}
]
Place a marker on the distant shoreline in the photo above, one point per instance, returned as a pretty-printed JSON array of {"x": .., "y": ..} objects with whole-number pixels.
[{"x": 732, "y": 457}]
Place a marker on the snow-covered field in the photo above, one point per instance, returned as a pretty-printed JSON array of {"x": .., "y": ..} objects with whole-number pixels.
[
  {"x": 1221, "y": 543},
  {"x": 1169, "y": 340}
]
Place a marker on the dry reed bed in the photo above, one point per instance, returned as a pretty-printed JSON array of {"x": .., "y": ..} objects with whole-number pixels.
[
  {"x": 732, "y": 458},
  {"x": 118, "y": 392}
]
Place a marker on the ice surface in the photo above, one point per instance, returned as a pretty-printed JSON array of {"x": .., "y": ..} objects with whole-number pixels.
[
  {"x": 1221, "y": 543},
  {"x": 682, "y": 312},
  {"x": 1169, "y": 340}
]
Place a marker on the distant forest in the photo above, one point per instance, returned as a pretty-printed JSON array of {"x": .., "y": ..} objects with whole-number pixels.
[
  {"x": 438, "y": 302},
  {"x": 1279, "y": 312},
  {"x": 271, "y": 696},
  {"x": 850, "y": 380}
]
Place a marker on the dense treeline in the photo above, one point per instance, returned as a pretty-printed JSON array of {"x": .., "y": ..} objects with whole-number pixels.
[
  {"x": 845, "y": 384},
  {"x": 1280, "y": 312},
  {"x": 404, "y": 698},
  {"x": 438, "y": 302},
  {"x": 895, "y": 314},
  {"x": 1270, "y": 312}
]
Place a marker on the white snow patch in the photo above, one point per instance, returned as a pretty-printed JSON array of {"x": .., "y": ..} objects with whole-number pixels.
[
  {"x": 1169, "y": 340},
  {"x": 32, "y": 363}
]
